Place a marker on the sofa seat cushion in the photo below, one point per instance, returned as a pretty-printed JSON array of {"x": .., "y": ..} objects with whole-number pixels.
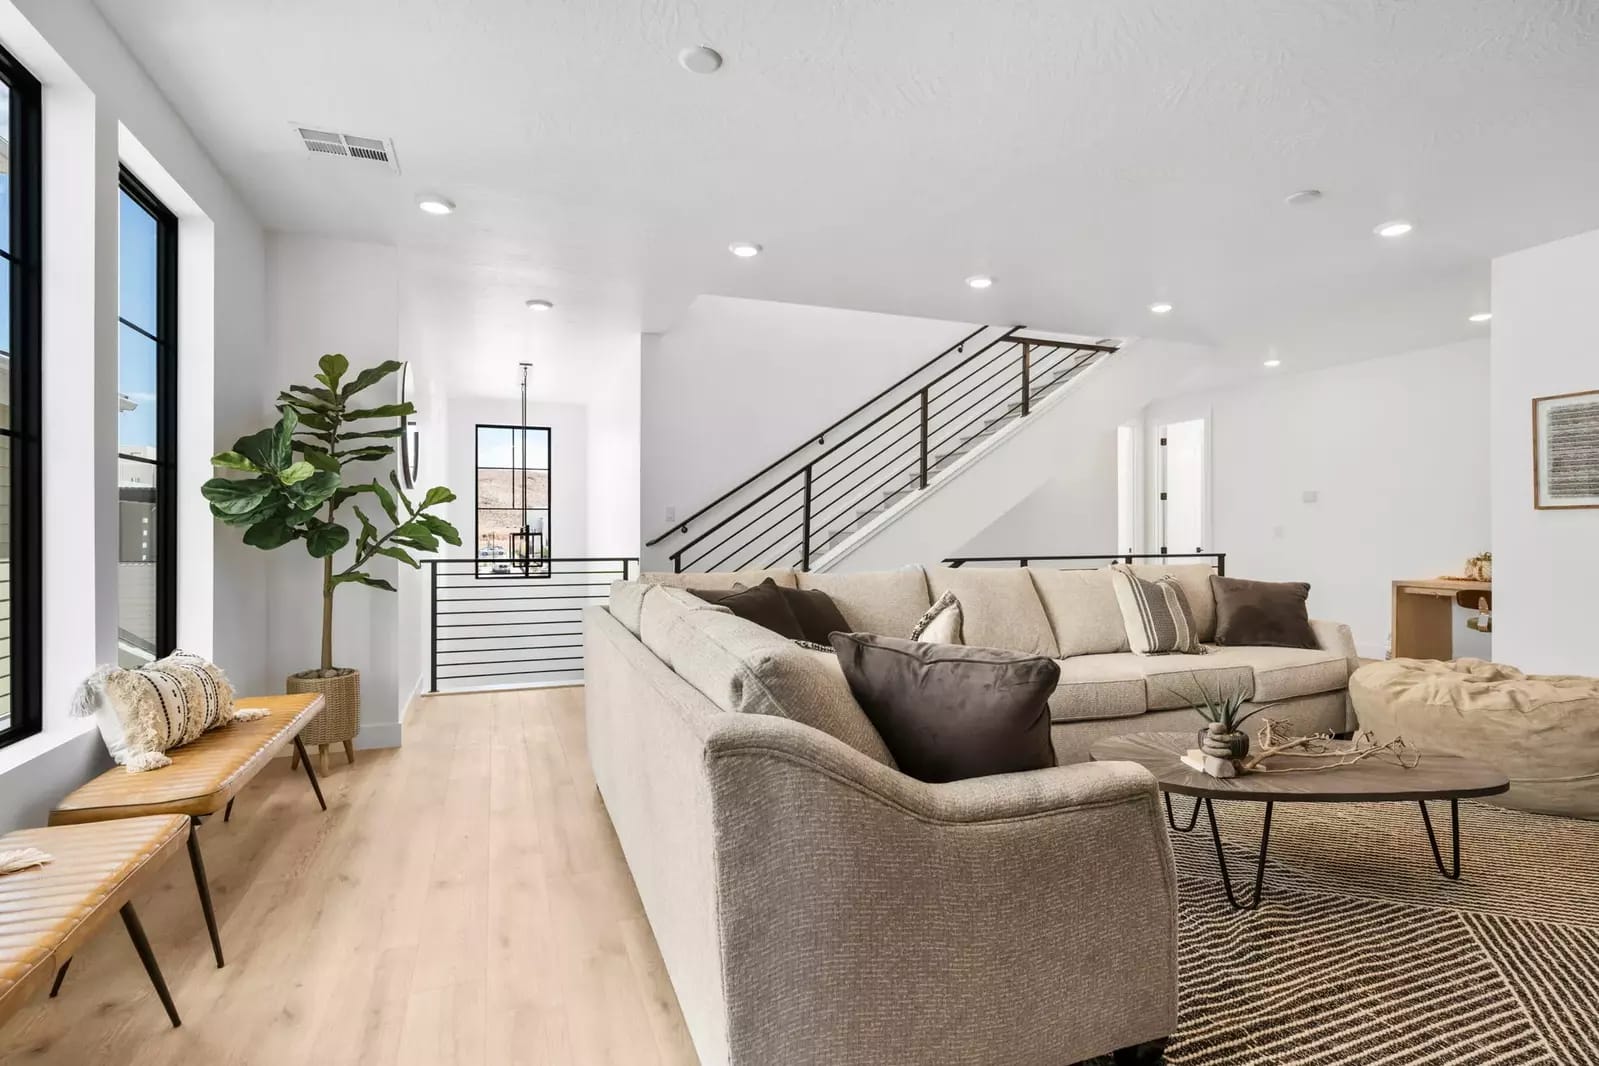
[
  {"x": 745, "y": 669},
  {"x": 720, "y": 579},
  {"x": 1195, "y": 582},
  {"x": 1094, "y": 687},
  {"x": 1000, "y": 608},
  {"x": 1082, "y": 610},
  {"x": 1284, "y": 673},
  {"x": 1175, "y": 681},
  {"x": 884, "y": 601}
]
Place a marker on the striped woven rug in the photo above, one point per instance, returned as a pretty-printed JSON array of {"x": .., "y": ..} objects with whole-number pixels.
[{"x": 1363, "y": 954}]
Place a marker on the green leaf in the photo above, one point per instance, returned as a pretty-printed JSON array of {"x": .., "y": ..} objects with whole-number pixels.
[
  {"x": 394, "y": 479},
  {"x": 233, "y": 461},
  {"x": 441, "y": 529},
  {"x": 316, "y": 394},
  {"x": 376, "y": 434},
  {"x": 322, "y": 539},
  {"x": 257, "y": 449},
  {"x": 235, "y": 497},
  {"x": 369, "y": 532},
  {"x": 314, "y": 491},
  {"x": 283, "y": 438},
  {"x": 386, "y": 498},
  {"x": 320, "y": 459},
  {"x": 436, "y": 495},
  {"x": 306, "y": 403},
  {"x": 295, "y": 473},
  {"x": 363, "y": 579},
  {"x": 369, "y": 377},
  {"x": 388, "y": 410},
  {"x": 270, "y": 534},
  {"x": 417, "y": 536},
  {"x": 317, "y": 420},
  {"x": 365, "y": 455},
  {"x": 400, "y": 554},
  {"x": 333, "y": 367}
]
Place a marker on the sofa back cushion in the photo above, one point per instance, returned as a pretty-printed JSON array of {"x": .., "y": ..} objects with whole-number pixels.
[
  {"x": 999, "y": 608},
  {"x": 1195, "y": 583},
  {"x": 720, "y": 579},
  {"x": 883, "y": 601},
  {"x": 746, "y": 669},
  {"x": 662, "y": 606},
  {"x": 627, "y": 603},
  {"x": 1082, "y": 612}
]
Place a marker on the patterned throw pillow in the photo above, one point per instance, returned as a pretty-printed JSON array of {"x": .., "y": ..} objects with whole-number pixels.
[
  {"x": 942, "y": 622},
  {"x": 165, "y": 704},
  {"x": 1155, "y": 614}
]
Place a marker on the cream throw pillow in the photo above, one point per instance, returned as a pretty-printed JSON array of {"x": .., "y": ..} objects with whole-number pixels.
[
  {"x": 942, "y": 622},
  {"x": 144, "y": 713}
]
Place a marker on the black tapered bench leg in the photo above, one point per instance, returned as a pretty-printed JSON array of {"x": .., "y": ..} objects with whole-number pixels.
[
  {"x": 204, "y": 886},
  {"x": 227, "y": 815},
  {"x": 61, "y": 975},
  {"x": 305, "y": 759},
  {"x": 146, "y": 956},
  {"x": 1149, "y": 1053}
]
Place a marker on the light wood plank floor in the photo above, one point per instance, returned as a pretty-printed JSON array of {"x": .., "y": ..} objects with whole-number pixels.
[{"x": 463, "y": 900}]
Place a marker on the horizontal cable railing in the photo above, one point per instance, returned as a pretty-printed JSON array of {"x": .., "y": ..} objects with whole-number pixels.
[
  {"x": 818, "y": 505},
  {"x": 1114, "y": 557},
  {"x": 508, "y": 622}
]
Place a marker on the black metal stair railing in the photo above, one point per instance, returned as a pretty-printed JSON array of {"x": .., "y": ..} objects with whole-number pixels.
[{"x": 818, "y": 505}]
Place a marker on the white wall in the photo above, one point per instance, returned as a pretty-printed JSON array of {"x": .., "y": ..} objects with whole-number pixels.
[
  {"x": 1396, "y": 452},
  {"x": 98, "y": 104},
  {"x": 1545, "y": 342},
  {"x": 737, "y": 383}
]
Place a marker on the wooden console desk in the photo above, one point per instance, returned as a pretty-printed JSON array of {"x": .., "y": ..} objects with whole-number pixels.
[{"x": 1424, "y": 623}]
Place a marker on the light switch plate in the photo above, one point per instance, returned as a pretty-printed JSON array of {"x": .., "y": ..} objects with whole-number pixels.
[{"x": 1310, "y": 495}]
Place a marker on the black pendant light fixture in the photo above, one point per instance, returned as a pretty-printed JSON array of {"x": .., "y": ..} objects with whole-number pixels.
[{"x": 527, "y": 544}]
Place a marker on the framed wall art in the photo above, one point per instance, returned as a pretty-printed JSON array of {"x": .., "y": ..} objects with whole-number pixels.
[{"x": 1565, "y": 450}]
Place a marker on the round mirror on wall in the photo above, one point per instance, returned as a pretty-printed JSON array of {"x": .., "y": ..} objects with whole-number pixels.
[{"x": 410, "y": 432}]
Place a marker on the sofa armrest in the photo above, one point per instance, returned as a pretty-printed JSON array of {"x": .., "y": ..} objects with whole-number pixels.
[
  {"x": 1021, "y": 917},
  {"x": 1335, "y": 636}
]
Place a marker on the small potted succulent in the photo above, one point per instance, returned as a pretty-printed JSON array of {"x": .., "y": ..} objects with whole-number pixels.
[{"x": 1223, "y": 736}]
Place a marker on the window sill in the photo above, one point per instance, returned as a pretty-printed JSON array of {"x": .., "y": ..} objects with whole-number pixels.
[{"x": 40, "y": 744}]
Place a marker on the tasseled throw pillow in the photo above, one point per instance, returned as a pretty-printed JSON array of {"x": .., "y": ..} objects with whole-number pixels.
[
  {"x": 144, "y": 713},
  {"x": 942, "y": 623}
]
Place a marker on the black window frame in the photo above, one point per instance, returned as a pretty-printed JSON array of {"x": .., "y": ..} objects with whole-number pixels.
[
  {"x": 26, "y": 401},
  {"x": 165, "y": 340},
  {"x": 530, "y": 569}
]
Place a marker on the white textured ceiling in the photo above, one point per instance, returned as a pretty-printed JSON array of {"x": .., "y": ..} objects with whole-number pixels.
[{"x": 1093, "y": 156}]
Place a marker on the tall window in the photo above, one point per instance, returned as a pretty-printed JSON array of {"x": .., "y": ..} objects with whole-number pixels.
[
  {"x": 147, "y": 356},
  {"x": 506, "y": 504},
  {"x": 20, "y": 188}
]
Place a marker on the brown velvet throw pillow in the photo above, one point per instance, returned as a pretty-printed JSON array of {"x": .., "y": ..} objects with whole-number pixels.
[
  {"x": 765, "y": 605},
  {"x": 948, "y": 712},
  {"x": 817, "y": 614},
  {"x": 1269, "y": 613}
]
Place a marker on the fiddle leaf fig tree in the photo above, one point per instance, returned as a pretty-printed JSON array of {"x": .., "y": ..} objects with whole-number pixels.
[{"x": 298, "y": 484}]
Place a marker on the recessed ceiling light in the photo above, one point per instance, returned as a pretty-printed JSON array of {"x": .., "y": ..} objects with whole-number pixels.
[
  {"x": 744, "y": 249},
  {"x": 1160, "y": 308},
  {"x": 701, "y": 59},
  {"x": 1303, "y": 196},
  {"x": 1481, "y": 316},
  {"x": 1397, "y": 228},
  {"x": 980, "y": 281},
  {"x": 539, "y": 305},
  {"x": 435, "y": 205},
  {"x": 1273, "y": 362}
]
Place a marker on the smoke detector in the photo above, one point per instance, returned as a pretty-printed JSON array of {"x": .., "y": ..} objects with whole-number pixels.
[{"x": 330, "y": 145}]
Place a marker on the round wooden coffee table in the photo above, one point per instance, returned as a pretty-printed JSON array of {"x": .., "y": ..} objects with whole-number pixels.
[{"x": 1436, "y": 777}]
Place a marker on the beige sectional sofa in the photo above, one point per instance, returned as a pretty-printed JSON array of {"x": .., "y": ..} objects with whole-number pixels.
[{"x": 815, "y": 905}]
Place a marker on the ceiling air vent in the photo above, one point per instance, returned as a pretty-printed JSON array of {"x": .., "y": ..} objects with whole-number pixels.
[{"x": 327, "y": 143}]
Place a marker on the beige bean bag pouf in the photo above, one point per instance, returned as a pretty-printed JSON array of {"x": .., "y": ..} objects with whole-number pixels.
[{"x": 1542, "y": 731}]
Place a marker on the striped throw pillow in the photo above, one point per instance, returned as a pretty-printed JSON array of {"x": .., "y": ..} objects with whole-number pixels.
[
  {"x": 1155, "y": 614},
  {"x": 165, "y": 704}
]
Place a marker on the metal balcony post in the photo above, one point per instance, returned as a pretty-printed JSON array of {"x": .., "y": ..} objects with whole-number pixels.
[
  {"x": 433, "y": 628},
  {"x": 805, "y": 525},
  {"x": 1027, "y": 378},
  {"x": 924, "y": 438}
]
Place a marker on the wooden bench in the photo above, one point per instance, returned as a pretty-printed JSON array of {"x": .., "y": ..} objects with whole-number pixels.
[
  {"x": 48, "y": 912},
  {"x": 203, "y": 779}
]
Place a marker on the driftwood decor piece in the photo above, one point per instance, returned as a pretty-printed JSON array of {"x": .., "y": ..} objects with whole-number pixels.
[{"x": 1325, "y": 752}]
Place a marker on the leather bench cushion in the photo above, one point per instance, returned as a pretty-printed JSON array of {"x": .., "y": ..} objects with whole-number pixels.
[
  {"x": 1195, "y": 582},
  {"x": 886, "y": 602},
  {"x": 203, "y": 776},
  {"x": 1082, "y": 611},
  {"x": 1095, "y": 687},
  {"x": 999, "y": 607},
  {"x": 720, "y": 579},
  {"x": 743, "y": 668},
  {"x": 46, "y": 913}
]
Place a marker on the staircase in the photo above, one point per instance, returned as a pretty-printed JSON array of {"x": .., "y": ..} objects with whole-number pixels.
[{"x": 812, "y": 505}]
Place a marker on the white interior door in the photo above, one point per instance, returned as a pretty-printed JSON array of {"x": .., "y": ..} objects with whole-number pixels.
[{"x": 1184, "y": 487}]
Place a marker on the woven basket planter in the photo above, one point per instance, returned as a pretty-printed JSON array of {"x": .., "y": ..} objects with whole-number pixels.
[{"x": 341, "y": 718}]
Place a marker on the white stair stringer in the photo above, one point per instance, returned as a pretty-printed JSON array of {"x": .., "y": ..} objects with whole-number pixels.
[{"x": 1075, "y": 422}]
